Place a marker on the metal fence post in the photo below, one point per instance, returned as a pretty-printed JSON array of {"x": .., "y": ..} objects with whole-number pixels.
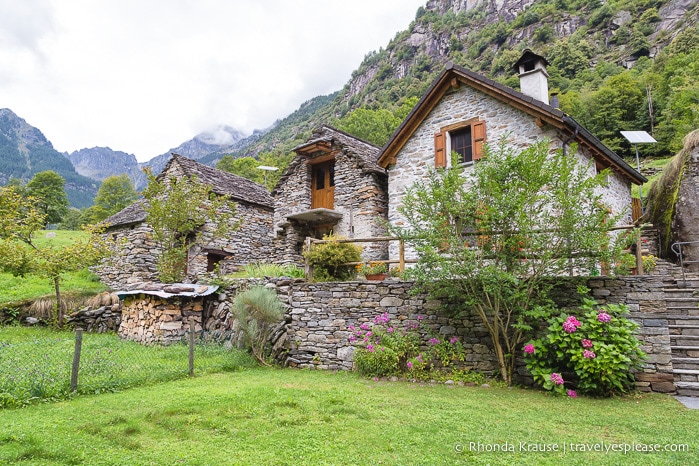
[{"x": 76, "y": 359}]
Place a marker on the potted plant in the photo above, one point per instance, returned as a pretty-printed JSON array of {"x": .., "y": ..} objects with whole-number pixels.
[{"x": 373, "y": 270}]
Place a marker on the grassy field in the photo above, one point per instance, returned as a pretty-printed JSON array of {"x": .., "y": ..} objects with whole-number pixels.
[
  {"x": 83, "y": 283},
  {"x": 35, "y": 364},
  {"x": 271, "y": 416}
]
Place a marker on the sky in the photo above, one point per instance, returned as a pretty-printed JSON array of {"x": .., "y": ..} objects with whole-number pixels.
[{"x": 144, "y": 76}]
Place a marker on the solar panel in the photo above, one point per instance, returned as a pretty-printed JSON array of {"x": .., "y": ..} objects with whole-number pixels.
[{"x": 638, "y": 137}]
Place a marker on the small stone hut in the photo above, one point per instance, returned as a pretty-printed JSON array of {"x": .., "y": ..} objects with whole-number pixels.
[
  {"x": 332, "y": 185},
  {"x": 251, "y": 242}
]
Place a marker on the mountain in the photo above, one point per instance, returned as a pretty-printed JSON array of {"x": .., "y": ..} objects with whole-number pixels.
[
  {"x": 25, "y": 151},
  {"x": 586, "y": 41},
  {"x": 222, "y": 138},
  {"x": 99, "y": 163}
]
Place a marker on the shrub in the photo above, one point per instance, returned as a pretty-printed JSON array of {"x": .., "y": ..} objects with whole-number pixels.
[
  {"x": 594, "y": 355},
  {"x": 327, "y": 259},
  {"x": 257, "y": 311}
]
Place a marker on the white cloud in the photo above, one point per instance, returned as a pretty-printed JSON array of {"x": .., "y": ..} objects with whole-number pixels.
[{"x": 142, "y": 76}]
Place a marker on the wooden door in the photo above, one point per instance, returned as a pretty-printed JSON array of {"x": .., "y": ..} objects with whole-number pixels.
[{"x": 323, "y": 185}]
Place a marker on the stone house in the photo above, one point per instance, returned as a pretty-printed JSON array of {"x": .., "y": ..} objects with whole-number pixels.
[
  {"x": 462, "y": 111},
  {"x": 332, "y": 185},
  {"x": 251, "y": 242}
]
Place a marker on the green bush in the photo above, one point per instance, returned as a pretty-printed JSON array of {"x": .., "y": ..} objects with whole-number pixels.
[
  {"x": 327, "y": 260},
  {"x": 258, "y": 310},
  {"x": 594, "y": 355}
]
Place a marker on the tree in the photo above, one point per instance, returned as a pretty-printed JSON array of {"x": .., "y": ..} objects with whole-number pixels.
[
  {"x": 184, "y": 213},
  {"x": 20, "y": 253},
  {"x": 115, "y": 193},
  {"x": 375, "y": 126},
  {"x": 490, "y": 241},
  {"x": 248, "y": 167},
  {"x": 48, "y": 189}
]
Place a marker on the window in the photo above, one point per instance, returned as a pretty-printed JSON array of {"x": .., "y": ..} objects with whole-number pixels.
[{"x": 466, "y": 139}]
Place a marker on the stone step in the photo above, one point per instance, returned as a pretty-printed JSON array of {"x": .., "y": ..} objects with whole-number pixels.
[
  {"x": 687, "y": 326},
  {"x": 685, "y": 361},
  {"x": 684, "y": 337},
  {"x": 687, "y": 388},
  {"x": 686, "y": 371}
]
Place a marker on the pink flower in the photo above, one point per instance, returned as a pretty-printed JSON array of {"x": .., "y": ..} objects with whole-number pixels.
[
  {"x": 389, "y": 330},
  {"x": 370, "y": 348},
  {"x": 409, "y": 364},
  {"x": 420, "y": 317},
  {"x": 382, "y": 319},
  {"x": 351, "y": 328},
  {"x": 352, "y": 338},
  {"x": 368, "y": 334},
  {"x": 587, "y": 354},
  {"x": 571, "y": 324},
  {"x": 364, "y": 326},
  {"x": 419, "y": 358},
  {"x": 557, "y": 379},
  {"x": 572, "y": 393},
  {"x": 529, "y": 349},
  {"x": 604, "y": 317},
  {"x": 453, "y": 340},
  {"x": 434, "y": 341},
  {"x": 587, "y": 343}
]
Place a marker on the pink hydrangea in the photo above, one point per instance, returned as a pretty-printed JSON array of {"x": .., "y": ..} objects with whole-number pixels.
[
  {"x": 604, "y": 317},
  {"x": 572, "y": 393},
  {"x": 571, "y": 324},
  {"x": 587, "y": 343},
  {"x": 557, "y": 379},
  {"x": 529, "y": 349},
  {"x": 587, "y": 354}
]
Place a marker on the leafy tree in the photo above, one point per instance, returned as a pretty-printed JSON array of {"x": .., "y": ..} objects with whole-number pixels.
[
  {"x": 490, "y": 241},
  {"x": 115, "y": 193},
  {"x": 71, "y": 220},
  {"x": 20, "y": 220},
  {"x": 375, "y": 126},
  {"x": 177, "y": 210},
  {"x": 48, "y": 189}
]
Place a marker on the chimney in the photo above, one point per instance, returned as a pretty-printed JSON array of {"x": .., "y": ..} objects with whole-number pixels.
[
  {"x": 554, "y": 100},
  {"x": 533, "y": 78}
]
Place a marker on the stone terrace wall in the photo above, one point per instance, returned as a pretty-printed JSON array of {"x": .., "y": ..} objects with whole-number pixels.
[
  {"x": 321, "y": 314},
  {"x": 318, "y": 334}
]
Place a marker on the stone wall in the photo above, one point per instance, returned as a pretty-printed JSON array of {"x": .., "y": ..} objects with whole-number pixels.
[
  {"x": 685, "y": 223},
  {"x": 501, "y": 120},
  {"x": 104, "y": 319},
  {"x": 318, "y": 332}
]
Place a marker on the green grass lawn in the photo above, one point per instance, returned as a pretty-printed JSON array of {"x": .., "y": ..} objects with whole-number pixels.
[
  {"x": 82, "y": 283},
  {"x": 35, "y": 363},
  {"x": 271, "y": 416}
]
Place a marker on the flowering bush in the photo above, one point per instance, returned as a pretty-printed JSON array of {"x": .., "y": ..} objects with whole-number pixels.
[
  {"x": 595, "y": 355},
  {"x": 371, "y": 268},
  {"x": 394, "y": 348}
]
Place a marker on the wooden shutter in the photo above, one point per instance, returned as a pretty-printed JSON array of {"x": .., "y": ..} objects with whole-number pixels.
[
  {"x": 440, "y": 156},
  {"x": 478, "y": 135}
]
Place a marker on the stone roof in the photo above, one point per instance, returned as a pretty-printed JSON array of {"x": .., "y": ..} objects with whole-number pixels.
[
  {"x": 454, "y": 74},
  {"x": 365, "y": 153},
  {"x": 238, "y": 188}
]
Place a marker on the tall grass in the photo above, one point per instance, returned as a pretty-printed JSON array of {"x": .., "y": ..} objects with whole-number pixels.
[{"x": 35, "y": 364}]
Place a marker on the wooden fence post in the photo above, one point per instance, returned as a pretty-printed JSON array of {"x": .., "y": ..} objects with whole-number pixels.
[
  {"x": 401, "y": 256},
  {"x": 191, "y": 348},
  {"x": 639, "y": 255},
  {"x": 308, "y": 270},
  {"x": 76, "y": 359}
]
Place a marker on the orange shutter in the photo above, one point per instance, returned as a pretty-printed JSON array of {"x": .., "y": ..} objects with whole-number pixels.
[
  {"x": 478, "y": 135},
  {"x": 440, "y": 157}
]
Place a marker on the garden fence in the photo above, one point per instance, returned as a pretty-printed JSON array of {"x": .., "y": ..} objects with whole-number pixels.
[{"x": 43, "y": 364}]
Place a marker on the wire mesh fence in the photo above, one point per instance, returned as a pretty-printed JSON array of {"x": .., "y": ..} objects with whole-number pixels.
[{"x": 38, "y": 364}]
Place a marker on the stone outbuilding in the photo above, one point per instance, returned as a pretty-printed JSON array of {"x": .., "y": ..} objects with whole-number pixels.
[
  {"x": 332, "y": 185},
  {"x": 135, "y": 262},
  {"x": 463, "y": 110}
]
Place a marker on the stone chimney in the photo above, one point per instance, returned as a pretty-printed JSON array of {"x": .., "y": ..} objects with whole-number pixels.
[{"x": 533, "y": 78}]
